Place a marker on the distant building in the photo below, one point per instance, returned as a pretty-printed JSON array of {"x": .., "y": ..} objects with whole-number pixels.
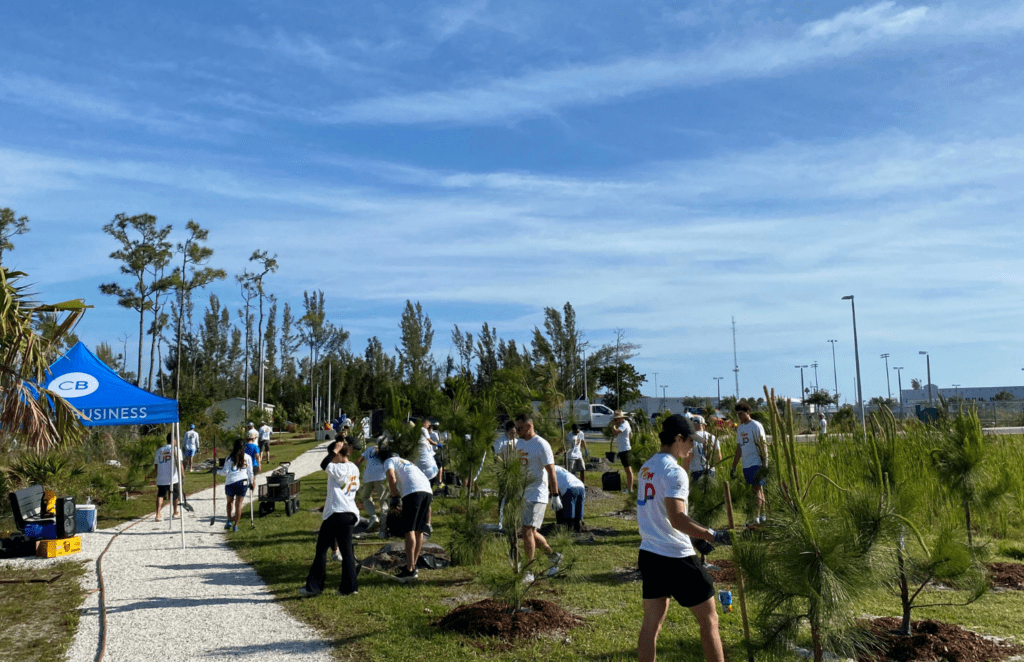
[
  {"x": 919, "y": 396},
  {"x": 235, "y": 409}
]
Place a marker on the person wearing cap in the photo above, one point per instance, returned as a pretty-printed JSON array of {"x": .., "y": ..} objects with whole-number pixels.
[
  {"x": 339, "y": 520},
  {"x": 191, "y": 446},
  {"x": 252, "y": 448},
  {"x": 707, "y": 452},
  {"x": 752, "y": 448},
  {"x": 668, "y": 564},
  {"x": 622, "y": 445},
  {"x": 264, "y": 433}
]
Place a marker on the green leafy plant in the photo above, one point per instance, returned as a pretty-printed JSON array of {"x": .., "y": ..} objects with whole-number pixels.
[
  {"x": 468, "y": 537},
  {"x": 46, "y": 469}
]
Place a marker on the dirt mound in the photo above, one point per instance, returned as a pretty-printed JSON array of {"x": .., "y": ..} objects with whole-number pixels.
[
  {"x": 1007, "y": 575},
  {"x": 934, "y": 640},
  {"x": 491, "y": 618},
  {"x": 392, "y": 556},
  {"x": 727, "y": 574}
]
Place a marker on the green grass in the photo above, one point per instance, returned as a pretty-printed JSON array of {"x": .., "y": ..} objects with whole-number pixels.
[{"x": 39, "y": 619}]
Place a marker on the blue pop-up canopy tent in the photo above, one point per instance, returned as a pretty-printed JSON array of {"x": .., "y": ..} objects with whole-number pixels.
[{"x": 101, "y": 396}]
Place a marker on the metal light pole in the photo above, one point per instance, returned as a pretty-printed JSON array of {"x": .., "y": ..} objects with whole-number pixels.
[
  {"x": 655, "y": 384},
  {"x": 663, "y": 387},
  {"x": 899, "y": 377},
  {"x": 834, "y": 376},
  {"x": 856, "y": 356},
  {"x": 928, "y": 361},
  {"x": 957, "y": 387},
  {"x": 887, "y": 387},
  {"x": 815, "y": 366},
  {"x": 718, "y": 381},
  {"x": 801, "y": 383}
]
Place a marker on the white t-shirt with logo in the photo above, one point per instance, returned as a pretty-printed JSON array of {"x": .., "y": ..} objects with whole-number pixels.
[
  {"x": 265, "y": 432},
  {"x": 749, "y": 436},
  {"x": 192, "y": 440},
  {"x": 342, "y": 485},
  {"x": 705, "y": 446},
  {"x": 576, "y": 452},
  {"x": 410, "y": 478},
  {"x": 566, "y": 479},
  {"x": 535, "y": 454},
  {"x": 374, "y": 470},
  {"x": 622, "y": 437},
  {"x": 661, "y": 478},
  {"x": 166, "y": 465}
]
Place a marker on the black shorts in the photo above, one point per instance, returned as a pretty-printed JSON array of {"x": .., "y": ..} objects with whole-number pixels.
[
  {"x": 264, "y": 445},
  {"x": 624, "y": 458},
  {"x": 684, "y": 579},
  {"x": 164, "y": 491},
  {"x": 416, "y": 511}
]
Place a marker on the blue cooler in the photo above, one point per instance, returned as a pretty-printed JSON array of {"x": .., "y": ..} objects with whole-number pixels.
[{"x": 85, "y": 518}]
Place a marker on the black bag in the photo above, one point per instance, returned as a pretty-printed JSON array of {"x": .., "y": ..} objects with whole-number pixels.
[{"x": 611, "y": 481}]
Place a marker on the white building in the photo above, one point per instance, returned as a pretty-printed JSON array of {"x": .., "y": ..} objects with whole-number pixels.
[
  {"x": 919, "y": 396},
  {"x": 235, "y": 409}
]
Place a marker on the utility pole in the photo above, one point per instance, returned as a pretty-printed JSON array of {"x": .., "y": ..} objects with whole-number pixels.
[
  {"x": 815, "y": 366},
  {"x": 899, "y": 383},
  {"x": 888, "y": 388},
  {"x": 856, "y": 356},
  {"x": 735, "y": 360},
  {"x": 718, "y": 382},
  {"x": 663, "y": 396}
]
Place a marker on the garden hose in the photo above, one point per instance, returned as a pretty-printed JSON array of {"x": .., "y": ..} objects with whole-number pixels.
[{"x": 102, "y": 589}]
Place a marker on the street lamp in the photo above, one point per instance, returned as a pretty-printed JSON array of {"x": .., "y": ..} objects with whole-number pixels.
[
  {"x": 718, "y": 382},
  {"x": 928, "y": 361},
  {"x": 815, "y": 366},
  {"x": 957, "y": 387},
  {"x": 888, "y": 388},
  {"x": 856, "y": 356},
  {"x": 899, "y": 377},
  {"x": 801, "y": 383},
  {"x": 836, "y": 378}
]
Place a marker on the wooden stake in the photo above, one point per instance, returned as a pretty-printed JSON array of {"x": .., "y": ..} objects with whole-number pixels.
[{"x": 739, "y": 578}]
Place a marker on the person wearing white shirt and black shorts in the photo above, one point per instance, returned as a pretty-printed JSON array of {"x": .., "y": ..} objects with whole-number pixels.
[
  {"x": 411, "y": 490},
  {"x": 574, "y": 455},
  {"x": 622, "y": 445},
  {"x": 166, "y": 462},
  {"x": 340, "y": 517},
  {"x": 667, "y": 562}
]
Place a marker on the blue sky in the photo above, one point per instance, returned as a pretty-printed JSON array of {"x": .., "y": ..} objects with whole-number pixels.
[{"x": 663, "y": 166}]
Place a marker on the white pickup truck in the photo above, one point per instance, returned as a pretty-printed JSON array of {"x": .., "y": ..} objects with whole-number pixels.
[{"x": 592, "y": 416}]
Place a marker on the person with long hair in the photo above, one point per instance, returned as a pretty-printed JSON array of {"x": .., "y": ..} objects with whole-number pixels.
[
  {"x": 238, "y": 477},
  {"x": 340, "y": 517}
]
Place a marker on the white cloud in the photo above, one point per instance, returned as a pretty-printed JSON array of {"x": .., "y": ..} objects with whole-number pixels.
[{"x": 543, "y": 92}]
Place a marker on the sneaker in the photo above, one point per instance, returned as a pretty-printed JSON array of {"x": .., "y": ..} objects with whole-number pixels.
[
  {"x": 234, "y": 529},
  {"x": 430, "y": 529},
  {"x": 336, "y": 556},
  {"x": 227, "y": 525},
  {"x": 552, "y": 571},
  {"x": 528, "y": 578},
  {"x": 554, "y": 558},
  {"x": 374, "y": 523},
  {"x": 761, "y": 519},
  {"x": 306, "y": 593},
  {"x": 405, "y": 575},
  {"x": 344, "y": 594}
]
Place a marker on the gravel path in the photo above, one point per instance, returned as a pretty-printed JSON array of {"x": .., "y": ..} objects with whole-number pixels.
[{"x": 201, "y": 603}]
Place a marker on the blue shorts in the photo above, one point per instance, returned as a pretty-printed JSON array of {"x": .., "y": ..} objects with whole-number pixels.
[
  {"x": 189, "y": 452},
  {"x": 750, "y": 474},
  {"x": 237, "y": 489}
]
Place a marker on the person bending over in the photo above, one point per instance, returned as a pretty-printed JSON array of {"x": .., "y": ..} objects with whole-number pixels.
[{"x": 410, "y": 489}]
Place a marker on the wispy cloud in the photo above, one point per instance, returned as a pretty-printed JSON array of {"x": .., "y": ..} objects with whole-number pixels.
[{"x": 544, "y": 92}]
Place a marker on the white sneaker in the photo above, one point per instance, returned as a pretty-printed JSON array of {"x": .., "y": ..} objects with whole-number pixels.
[
  {"x": 761, "y": 519},
  {"x": 554, "y": 558},
  {"x": 374, "y": 523},
  {"x": 528, "y": 578},
  {"x": 336, "y": 556}
]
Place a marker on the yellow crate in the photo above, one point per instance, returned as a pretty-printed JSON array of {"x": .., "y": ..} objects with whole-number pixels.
[{"x": 48, "y": 549}]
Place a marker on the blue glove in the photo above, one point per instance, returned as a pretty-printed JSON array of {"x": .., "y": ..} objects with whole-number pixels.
[
  {"x": 722, "y": 536},
  {"x": 586, "y": 453}
]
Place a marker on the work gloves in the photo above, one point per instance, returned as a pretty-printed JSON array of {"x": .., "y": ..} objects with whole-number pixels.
[{"x": 556, "y": 502}]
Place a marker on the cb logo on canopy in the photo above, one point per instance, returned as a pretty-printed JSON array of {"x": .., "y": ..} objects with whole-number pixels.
[{"x": 74, "y": 385}]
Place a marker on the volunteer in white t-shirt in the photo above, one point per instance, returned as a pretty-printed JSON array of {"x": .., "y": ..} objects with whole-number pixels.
[
  {"x": 373, "y": 483},
  {"x": 410, "y": 489},
  {"x": 191, "y": 446},
  {"x": 425, "y": 452},
  {"x": 752, "y": 448},
  {"x": 539, "y": 465},
  {"x": 622, "y": 445},
  {"x": 573, "y": 493},
  {"x": 577, "y": 447},
  {"x": 238, "y": 477},
  {"x": 822, "y": 424},
  {"x": 265, "y": 431},
  {"x": 166, "y": 462},
  {"x": 667, "y": 562},
  {"x": 707, "y": 452},
  {"x": 340, "y": 517}
]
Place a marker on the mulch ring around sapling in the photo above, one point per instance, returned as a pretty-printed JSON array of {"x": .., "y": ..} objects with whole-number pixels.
[
  {"x": 727, "y": 574},
  {"x": 492, "y": 618},
  {"x": 934, "y": 640},
  {"x": 1007, "y": 575},
  {"x": 391, "y": 556}
]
